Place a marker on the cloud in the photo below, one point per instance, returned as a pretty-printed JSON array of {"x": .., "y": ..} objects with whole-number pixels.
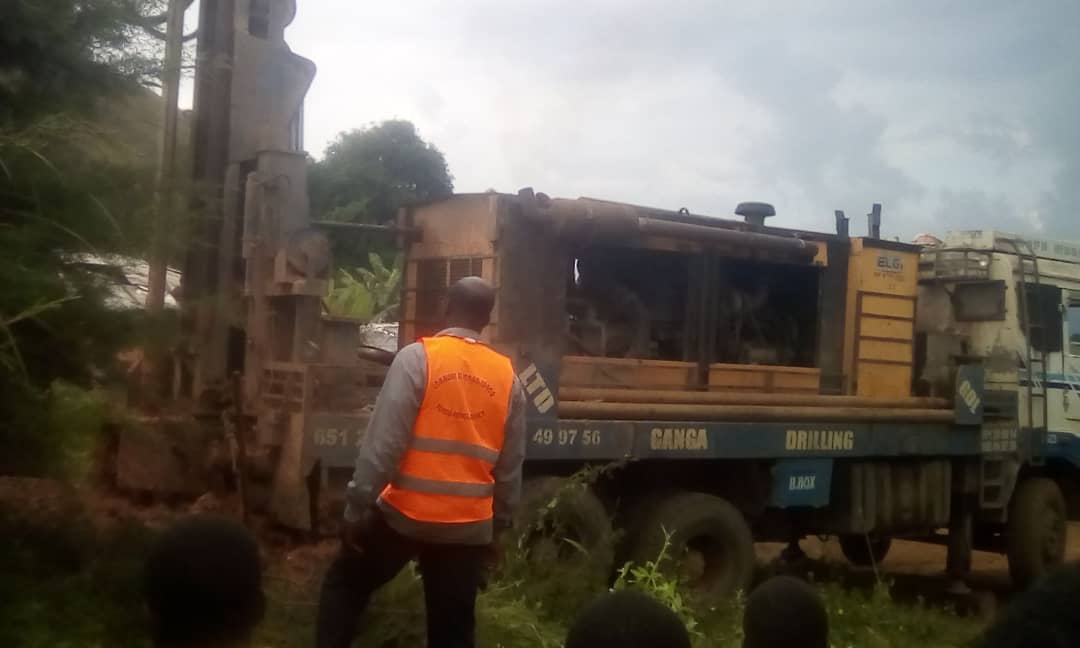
[
  {"x": 988, "y": 210},
  {"x": 952, "y": 115}
]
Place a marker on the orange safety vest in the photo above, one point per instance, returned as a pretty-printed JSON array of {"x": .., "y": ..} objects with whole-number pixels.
[{"x": 446, "y": 474}]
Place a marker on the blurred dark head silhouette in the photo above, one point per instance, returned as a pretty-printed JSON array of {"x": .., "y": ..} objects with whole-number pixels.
[
  {"x": 1043, "y": 616},
  {"x": 627, "y": 620},
  {"x": 785, "y": 612},
  {"x": 203, "y": 584}
]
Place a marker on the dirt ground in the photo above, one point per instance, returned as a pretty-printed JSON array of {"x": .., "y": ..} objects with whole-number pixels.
[
  {"x": 989, "y": 570},
  {"x": 914, "y": 568}
]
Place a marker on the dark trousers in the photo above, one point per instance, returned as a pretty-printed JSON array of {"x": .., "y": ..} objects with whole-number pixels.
[{"x": 451, "y": 574}]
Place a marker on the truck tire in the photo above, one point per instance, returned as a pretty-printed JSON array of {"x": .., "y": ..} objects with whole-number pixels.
[
  {"x": 1035, "y": 533},
  {"x": 578, "y": 522},
  {"x": 855, "y": 549},
  {"x": 711, "y": 546}
]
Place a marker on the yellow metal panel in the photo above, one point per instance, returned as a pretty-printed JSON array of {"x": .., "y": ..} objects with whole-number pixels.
[
  {"x": 878, "y": 380},
  {"x": 879, "y": 329},
  {"x": 887, "y": 328},
  {"x": 888, "y": 306},
  {"x": 885, "y": 350}
]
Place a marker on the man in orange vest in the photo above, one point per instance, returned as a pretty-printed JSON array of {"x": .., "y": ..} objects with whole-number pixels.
[{"x": 438, "y": 477}]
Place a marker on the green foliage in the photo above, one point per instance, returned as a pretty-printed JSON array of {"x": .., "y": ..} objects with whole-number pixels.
[
  {"x": 65, "y": 569},
  {"x": 60, "y": 56},
  {"x": 551, "y": 567},
  {"x": 54, "y": 432},
  {"x": 73, "y": 430},
  {"x": 77, "y": 143},
  {"x": 874, "y": 620},
  {"x": 66, "y": 584},
  {"x": 653, "y": 579},
  {"x": 366, "y": 294},
  {"x": 367, "y": 174}
]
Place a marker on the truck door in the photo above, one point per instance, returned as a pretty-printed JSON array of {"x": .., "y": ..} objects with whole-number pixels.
[{"x": 1071, "y": 379}]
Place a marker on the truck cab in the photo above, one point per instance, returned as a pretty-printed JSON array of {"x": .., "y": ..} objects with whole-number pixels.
[{"x": 1011, "y": 306}]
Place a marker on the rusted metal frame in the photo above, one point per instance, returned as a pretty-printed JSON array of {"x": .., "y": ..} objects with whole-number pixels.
[
  {"x": 405, "y": 220},
  {"x": 834, "y": 279},
  {"x": 755, "y": 397},
  {"x": 706, "y": 340},
  {"x": 968, "y": 253},
  {"x": 1025, "y": 314},
  {"x": 417, "y": 292},
  {"x": 614, "y": 220},
  {"x": 730, "y": 413},
  {"x": 649, "y": 226},
  {"x": 684, "y": 216},
  {"x": 209, "y": 142},
  {"x": 396, "y": 230}
]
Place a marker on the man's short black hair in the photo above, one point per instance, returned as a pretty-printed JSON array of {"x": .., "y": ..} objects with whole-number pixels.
[
  {"x": 203, "y": 583},
  {"x": 785, "y": 612},
  {"x": 628, "y": 620},
  {"x": 469, "y": 303},
  {"x": 1045, "y": 615}
]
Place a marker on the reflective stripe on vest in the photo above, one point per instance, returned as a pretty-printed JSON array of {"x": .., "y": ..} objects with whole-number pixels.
[{"x": 445, "y": 476}]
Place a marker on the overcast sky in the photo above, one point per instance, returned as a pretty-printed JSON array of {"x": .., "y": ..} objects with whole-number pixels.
[{"x": 958, "y": 117}]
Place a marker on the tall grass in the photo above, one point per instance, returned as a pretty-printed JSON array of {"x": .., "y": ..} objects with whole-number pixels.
[{"x": 67, "y": 569}]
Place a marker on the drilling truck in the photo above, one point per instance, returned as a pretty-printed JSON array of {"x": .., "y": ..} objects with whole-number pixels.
[{"x": 743, "y": 382}]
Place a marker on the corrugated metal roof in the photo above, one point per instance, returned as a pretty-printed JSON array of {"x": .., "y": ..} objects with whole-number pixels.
[{"x": 127, "y": 278}]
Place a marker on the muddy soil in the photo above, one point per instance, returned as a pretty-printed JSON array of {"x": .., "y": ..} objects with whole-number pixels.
[
  {"x": 914, "y": 569},
  {"x": 989, "y": 570}
]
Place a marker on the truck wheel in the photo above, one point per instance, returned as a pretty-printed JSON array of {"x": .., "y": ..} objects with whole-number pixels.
[
  {"x": 1035, "y": 534},
  {"x": 855, "y": 549},
  {"x": 561, "y": 521},
  {"x": 711, "y": 545}
]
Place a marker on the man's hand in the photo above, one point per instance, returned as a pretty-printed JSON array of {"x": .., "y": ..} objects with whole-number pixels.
[{"x": 353, "y": 533}]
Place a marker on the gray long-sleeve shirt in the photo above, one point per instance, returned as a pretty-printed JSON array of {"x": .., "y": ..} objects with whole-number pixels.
[{"x": 390, "y": 432}]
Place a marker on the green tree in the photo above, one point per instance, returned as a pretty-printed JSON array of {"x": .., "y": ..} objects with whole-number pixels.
[
  {"x": 74, "y": 170},
  {"x": 367, "y": 174}
]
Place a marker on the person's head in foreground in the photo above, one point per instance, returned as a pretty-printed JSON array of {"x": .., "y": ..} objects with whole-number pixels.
[
  {"x": 785, "y": 612},
  {"x": 628, "y": 620},
  {"x": 1044, "y": 616},
  {"x": 203, "y": 584}
]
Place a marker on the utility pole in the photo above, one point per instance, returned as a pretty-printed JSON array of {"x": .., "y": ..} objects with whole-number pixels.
[{"x": 164, "y": 198}]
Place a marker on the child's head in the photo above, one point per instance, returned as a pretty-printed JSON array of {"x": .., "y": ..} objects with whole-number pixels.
[
  {"x": 627, "y": 620},
  {"x": 785, "y": 612},
  {"x": 1043, "y": 616},
  {"x": 203, "y": 583}
]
